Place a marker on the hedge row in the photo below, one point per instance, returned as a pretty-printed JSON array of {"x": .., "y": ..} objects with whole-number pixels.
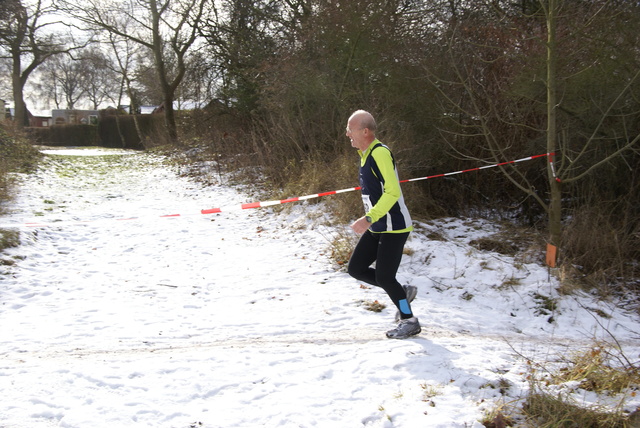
[{"x": 112, "y": 131}]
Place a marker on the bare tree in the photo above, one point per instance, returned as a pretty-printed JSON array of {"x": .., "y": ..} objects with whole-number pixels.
[
  {"x": 124, "y": 52},
  {"x": 103, "y": 83},
  {"x": 168, "y": 28},
  {"x": 47, "y": 86},
  {"x": 27, "y": 39},
  {"x": 69, "y": 78}
]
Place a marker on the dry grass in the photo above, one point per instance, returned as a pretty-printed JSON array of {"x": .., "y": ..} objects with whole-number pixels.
[
  {"x": 372, "y": 305},
  {"x": 601, "y": 369},
  {"x": 495, "y": 418},
  {"x": 342, "y": 246},
  {"x": 603, "y": 248},
  {"x": 594, "y": 371},
  {"x": 555, "y": 411}
]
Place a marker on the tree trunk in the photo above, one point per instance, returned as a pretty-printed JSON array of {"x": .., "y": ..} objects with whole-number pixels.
[
  {"x": 555, "y": 196},
  {"x": 20, "y": 108},
  {"x": 167, "y": 93},
  {"x": 170, "y": 119}
]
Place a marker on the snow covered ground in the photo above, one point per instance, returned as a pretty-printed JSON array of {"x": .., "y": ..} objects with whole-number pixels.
[{"x": 242, "y": 319}]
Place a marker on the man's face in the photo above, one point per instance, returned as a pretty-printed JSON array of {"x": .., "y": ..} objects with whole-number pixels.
[{"x": 356, "y": 134}]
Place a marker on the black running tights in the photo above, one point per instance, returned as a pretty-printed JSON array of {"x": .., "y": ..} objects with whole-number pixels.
[{"x": 385, "y": 249}]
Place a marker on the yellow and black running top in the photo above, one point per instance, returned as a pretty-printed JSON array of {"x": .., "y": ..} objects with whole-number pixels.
[{"x": 381, "y": 192}]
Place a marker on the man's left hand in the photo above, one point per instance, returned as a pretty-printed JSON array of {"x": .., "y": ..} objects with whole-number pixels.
[{"x": 360, "y": 226}]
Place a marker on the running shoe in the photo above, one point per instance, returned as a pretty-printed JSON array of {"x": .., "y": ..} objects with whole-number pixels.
[{"x": 406, "y": 328}]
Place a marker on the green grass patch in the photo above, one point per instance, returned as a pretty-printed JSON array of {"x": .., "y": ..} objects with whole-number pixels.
[{"x": 9, "y": 238}]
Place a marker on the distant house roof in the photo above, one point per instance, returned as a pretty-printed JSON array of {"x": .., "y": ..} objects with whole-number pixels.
[
  {"x": 41, "y": 113},
  {"x": 147, "y": 109}
]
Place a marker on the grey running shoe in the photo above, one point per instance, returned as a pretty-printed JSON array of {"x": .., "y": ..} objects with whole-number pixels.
[
  {"x": 405, "y": 328},
  {"x": 411, "y": 291}
]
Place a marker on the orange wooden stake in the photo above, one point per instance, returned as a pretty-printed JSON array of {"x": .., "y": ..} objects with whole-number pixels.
[{"x": 552, "y": 252}]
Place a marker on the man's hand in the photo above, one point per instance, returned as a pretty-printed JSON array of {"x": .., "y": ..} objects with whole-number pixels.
[{"x": 360, "y": 226}]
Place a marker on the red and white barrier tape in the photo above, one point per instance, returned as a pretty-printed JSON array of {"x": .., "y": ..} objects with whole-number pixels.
[
  {"x": 480, "y": 167},
  {"x": 553, "y": 168},
  {"x": 264, "y": 204}
]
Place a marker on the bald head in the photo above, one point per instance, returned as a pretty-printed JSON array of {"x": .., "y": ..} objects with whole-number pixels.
[
  {"x": 363, "y": 119},
  {"x": 361, "y": 129}
]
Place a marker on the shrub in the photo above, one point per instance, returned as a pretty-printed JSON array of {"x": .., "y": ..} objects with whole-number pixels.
[{"x": 16, "y": 155}]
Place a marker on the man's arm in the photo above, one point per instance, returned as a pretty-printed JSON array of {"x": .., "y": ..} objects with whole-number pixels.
[{"x": 391, "y": 192}]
